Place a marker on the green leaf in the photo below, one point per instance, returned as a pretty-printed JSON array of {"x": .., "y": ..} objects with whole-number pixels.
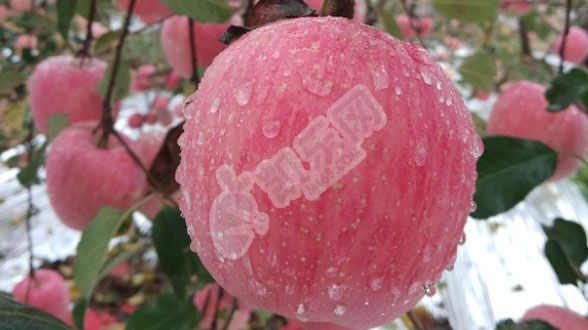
[
  {"x": 16, "y": 316},
  {"x": 167, "y": 312},
  {"x": 172, "y": 243},
  {"x": 526, "y": 325},
  {"x": 121, "y": 84},
  {"x": 566, "y": 89},
  {"x": 468, "y": 10},
  {"x": 479, "y": 71},
  {"x": 389, "y": 22},
  {"x": 103, "y": 43},
  {"x": 91, "y": 251},
  {"x": 66, "y": 10},
  {"x": 11, "y": 78},
  {"x": 571, "y": 237},
  {"x": 79, "y": 313},
  {"x": 563, "y": 267},
  {"x": 507, "y": 171},
  {"x": 56, "y": 123},
  {"x": 205, "y": 11},
  {"x": 28, "y": 176}
]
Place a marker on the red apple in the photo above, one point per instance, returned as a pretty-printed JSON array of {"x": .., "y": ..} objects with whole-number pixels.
[
  {"x": 360, "y": 234},
  {"x": 560, "y": 318},
  {"x": 576, "y": 48},
  {"x": 175, "y": 39},
  {"x": 516, "y": 6},
  {"x": 521, "y": 111},
  {"x": 47, "y": 291},
  {"x": 424, "y": 25},
  {"x": 81, "y": 178},
  {"x": 149, "y": 11},
  {"x": 51, "y": 87}
]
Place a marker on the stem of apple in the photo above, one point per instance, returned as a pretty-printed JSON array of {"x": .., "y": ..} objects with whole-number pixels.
[
  {"x": 410, "y": 13},
  {"x": 193, "y": 55},
  {"x": 565, "y": 36},
  {"x": 85, "y": 51},
  {"x": 107, "y": 122}
]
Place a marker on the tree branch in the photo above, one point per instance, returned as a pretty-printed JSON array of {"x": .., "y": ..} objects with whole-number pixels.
[
  {"x": 565, "y": 36},
  {"x": 193, "y": 55},
  {"x": 85, "y": 51}
]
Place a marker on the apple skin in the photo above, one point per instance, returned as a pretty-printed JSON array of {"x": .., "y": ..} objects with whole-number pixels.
[
  {"x": 426, "y": 25},
  {"x": 521, "y": 111},
  {"x": 52, "y": 82},
  {"x": 48, "y": 292},
  {"x": 82, "y": 178},
  {"x": 175, "y": 41},
  {"x": 362, "y": 253},
  {"x": 149, "y": 11},
  {"x": 576, "y": 49},
  {"x": 558, "y": 317}
]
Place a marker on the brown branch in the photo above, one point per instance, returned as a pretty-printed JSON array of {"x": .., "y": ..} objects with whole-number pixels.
[
  {"x": 565, "y": 36},
  {"x": 193, "y": 55},
  {"x": 219, "y": 297},
  {"x": 85, "y": 51},
  {"x": 107, "y": 121},
  {"x": 31, "y": 210},
  {"x": 524, "y": 37}
]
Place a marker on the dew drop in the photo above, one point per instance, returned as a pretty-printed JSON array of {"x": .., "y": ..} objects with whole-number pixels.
[
  {"x": 438, "y": 84},
  {"x": 462, "y": 239},
  {"x": 398, "y": 90},
  {"x": 243, "y": 93},
  {"x": 426, "y": 78},
  {"x": 340, "y": 310},
  {"x": 450, "y": 268},
  {"x": 380, "y": 78},
  {"x": 420, "y": 153},
  {"x": 478, "y": 147},
  {"x": 376, "y": 284},
  {"x": 271, "y": 129},
  {"x": 215, "y": 105},
  {"x": 317, "y": 87},
  {"x": 335, "y": 292},
  {"x": 430, "y": 289},
  {"x": 301, "y": 313},
  {"x": 473, "y": 207},
  {"x": 200, "y": 140}
]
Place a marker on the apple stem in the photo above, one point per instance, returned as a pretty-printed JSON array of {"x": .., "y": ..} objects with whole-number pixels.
[
  {"x": 85, "y": 51},
  {"x": 219, "y": 297},
  {"x": 229, "y": 318},
  {"x": 565, "y": 36},
  {"x": 107, "y": 122},
  {"x": 411, "y": 19},
  {"x": 193, "y": 55}
]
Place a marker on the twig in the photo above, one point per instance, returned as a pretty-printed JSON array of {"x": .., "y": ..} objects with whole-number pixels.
[
  {"x": 524, "y": 37},
  {"x": 219, "y": 297},
  {"x": 565, "y": 36},
  {"x": 85, "y": 51},
  {"x": 31, "y": 210},
  {"x": 193, "y": 55},
  {"x": 150, "y": 179},
  {"x": 411, "y": 17},
  {"x": 229, "y": 318},
  {"x": 107, "y": 122}
]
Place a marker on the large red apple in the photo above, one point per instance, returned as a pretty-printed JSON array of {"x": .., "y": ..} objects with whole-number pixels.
[
  {"x": 47, "y": 291},
  {"x": 66, "y": 85},
  {"x": 560, "y": 318},
  {"x": 149, "y": 11},
  {"x": 81, "y": 178},
  {"x": 175, "y": 39},
  {"x": 521, "y": 111},
  {"x": 576, "y": 48},
  {"x": 327, "y": 171}
]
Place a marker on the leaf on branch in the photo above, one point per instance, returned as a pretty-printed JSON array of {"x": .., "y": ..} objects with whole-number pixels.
[
  {"x": 92, "y": 248},
  {"x": 205, "y": 11},
  {"x": 265, "y": 12},
  {"x": 568, "y": 88},
  {"x": 11, "y": 78},
  {"x": 28, "y": 176},
  {"x": 507, "y": 171},
  {"x": 14, "y": 315},
  {"x": 66, "y": 10},
  {"x": 479, "y": 71},
  {"x": 474, "y": 11},
  {"x": 566, "y": 249},
  {"x": 167, "y": 161},
  {"x": 167, "y": 312},
  {"x": 526, "y": 325}
]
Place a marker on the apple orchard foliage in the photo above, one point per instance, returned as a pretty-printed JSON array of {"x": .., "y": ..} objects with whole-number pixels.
[{"x": 325, "y": 169}]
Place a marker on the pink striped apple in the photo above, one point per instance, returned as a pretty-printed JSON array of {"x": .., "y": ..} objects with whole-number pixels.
[
  {"x": 576, "y": 48},
  {"x": 327, "y": 171},
  {"x": 521, "y": 111}
]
